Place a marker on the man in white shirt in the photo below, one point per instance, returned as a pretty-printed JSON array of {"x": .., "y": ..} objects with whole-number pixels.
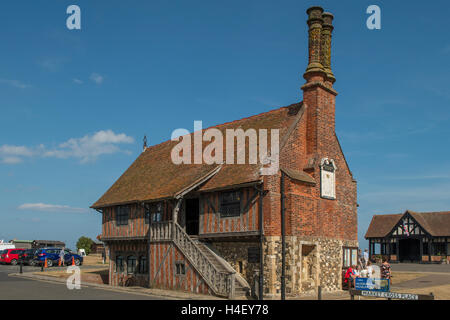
[
  {"x": 366, "y": 256},
  {"x": 61, "y": 256}
]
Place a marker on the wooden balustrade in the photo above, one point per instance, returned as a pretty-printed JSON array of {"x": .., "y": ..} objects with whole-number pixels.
[
  {"x": 161, "y": 231},
  {"x": 222, "y": 283}
]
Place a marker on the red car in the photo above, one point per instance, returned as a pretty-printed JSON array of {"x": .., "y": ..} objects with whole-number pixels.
[{"x": 10, "y": 256}]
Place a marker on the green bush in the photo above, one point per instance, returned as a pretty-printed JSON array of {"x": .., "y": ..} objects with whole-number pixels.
[{"x": 85, "y": 243}]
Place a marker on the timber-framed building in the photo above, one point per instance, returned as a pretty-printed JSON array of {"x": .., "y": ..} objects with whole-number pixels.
[
  {"x": 211, "y": 228},
  {"x": 411, "y": 236}
]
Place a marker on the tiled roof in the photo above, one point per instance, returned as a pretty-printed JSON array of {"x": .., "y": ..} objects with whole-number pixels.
[
  {"x": 298, "y": 175},
  {"x": 154, "y": 176},
  {"x": 435, "y": 223},
  {"x": 49, "y": 242},
  {"x": 381, "y": 225}
]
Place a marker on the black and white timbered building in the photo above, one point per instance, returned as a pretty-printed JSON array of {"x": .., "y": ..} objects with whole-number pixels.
[{"x": 411, "y": 236}]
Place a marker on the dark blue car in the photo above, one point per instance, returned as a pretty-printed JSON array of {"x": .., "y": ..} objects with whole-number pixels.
[{"x": 52, "y": 255}]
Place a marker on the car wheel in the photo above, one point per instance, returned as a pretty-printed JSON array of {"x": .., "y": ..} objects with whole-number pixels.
[
  {"x": 49, "y": 263},
  {"x": 32, "y": 263},
  {"x": 77, "y": 262},
  {"x": 13, "y": 262}
]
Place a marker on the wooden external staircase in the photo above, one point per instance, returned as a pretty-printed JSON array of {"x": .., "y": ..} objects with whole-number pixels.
[
  {"x": 241, "y": 287},
  {"x": 216, "y": 272}
]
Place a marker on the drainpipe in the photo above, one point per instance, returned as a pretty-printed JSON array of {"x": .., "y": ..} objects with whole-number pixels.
[
  {"x": 261, "y": 243},
  {"x": 283, "y": 240},
  {"x": 149, "y": 245}
]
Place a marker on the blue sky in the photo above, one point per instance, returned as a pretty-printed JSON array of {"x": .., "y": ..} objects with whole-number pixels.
[{"x": 76, "y": 104}]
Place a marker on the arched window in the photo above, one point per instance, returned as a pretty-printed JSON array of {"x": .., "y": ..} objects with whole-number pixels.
[
  {"x": 143, "y": 265},
  {"x": 119, "y": 264},
  {"x": 131, "y": 264}
]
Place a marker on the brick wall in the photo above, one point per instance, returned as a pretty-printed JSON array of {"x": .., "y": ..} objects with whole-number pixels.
[
  {"x": 306, "y": 212},
  {"x": 320, "y": 225}
]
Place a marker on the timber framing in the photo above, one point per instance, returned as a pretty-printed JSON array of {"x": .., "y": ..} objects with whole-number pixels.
[
  {"x": 237, "y": 236},
  {"x": 411, "y": 236}
]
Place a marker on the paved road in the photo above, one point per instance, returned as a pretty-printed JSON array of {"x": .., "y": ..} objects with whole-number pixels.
[
  {"x": 26, "y": 289},
  {"x": 433, "y": 275},
  {"x": 418, "y": 267},
  {"x": 429, "y": 280}
]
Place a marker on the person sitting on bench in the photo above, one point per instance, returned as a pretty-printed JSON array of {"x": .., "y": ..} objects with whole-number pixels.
[{"x": 350, "y": 277}]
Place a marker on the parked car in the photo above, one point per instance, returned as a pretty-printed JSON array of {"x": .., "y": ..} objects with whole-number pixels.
[
  {"x": 1, "y": 256},
  {"x": 52, "y": 255},
  {"x": 28, "y": 257},
  {"x": 11, "y": 256}
]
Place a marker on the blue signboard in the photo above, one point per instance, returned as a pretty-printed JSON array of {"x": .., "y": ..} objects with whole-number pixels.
[{"x": 371, "y": 284}]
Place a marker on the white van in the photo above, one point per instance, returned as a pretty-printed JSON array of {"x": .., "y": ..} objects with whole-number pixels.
[{"x": 4, "y": 246}]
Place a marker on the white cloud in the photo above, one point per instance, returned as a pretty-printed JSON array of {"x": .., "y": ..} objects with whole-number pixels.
[
  {"x": 89, "y": 148},
  {"x": 15, "y": 83},
  {"x": 97, "y": 78},
  {"x": 86, "y": 149},
  {"x": 52, "y": 64},
  {"x": 50, "y": 208},
  {"x": 77, "y": 81},
  {"x": 15, "y": 150},
  {"x": 14, "y": 154},
  {"x": 11, "y": 160}
]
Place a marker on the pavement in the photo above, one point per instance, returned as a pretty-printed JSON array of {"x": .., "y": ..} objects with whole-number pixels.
[
  {"x": 32, "y": 286},
  {"x": 424, "y": 279}
]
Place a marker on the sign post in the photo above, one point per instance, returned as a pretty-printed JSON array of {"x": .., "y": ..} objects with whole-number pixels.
[
  {"x": 372, "y": 284},
  {"x": 380, "y": 288},
  {"x": 390, "y": 295}
]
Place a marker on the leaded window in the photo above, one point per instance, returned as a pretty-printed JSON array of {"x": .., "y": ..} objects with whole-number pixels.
[
  {"x": 122, "y": 213},
  {"x": 154, "y": 211},
  {"x": 180, "y": 268},
  {"x": 230, "y": 204},
  {"x": 119, "y": 264},
  {"x": 131, "y": 264},
  {"x": 143, "y": 264}
]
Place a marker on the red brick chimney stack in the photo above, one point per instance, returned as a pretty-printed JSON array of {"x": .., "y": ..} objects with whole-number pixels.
[{"x": 318, "y": 93}]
